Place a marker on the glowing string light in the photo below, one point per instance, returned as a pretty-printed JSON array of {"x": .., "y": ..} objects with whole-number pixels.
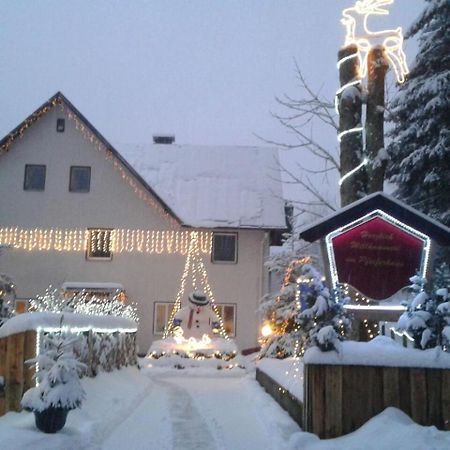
[
  {"x": 196, "y": 270},
  {"x": 351, "y": 172},
  {"x": 104, "y": 240}
]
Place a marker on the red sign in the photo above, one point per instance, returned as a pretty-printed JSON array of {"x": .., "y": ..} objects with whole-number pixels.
[{"x": 377, "y": 258}]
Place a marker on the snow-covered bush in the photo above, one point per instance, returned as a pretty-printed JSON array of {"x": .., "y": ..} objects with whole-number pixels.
[
  {"x": 427, "y": 318},
  {"x": 324, "y": 322},
  {"x": 58, "y": 376},
  {"x": 55, "y": 300}
]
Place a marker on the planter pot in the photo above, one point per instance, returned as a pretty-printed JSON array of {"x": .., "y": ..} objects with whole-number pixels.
[{"x": 51, "y": 419}]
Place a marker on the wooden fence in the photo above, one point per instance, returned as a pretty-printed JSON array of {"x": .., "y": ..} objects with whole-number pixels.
[
  {"x": 282, "y": 396},
  {"x": 339, "y": 398},
  {"x": 16, "y": 376}
]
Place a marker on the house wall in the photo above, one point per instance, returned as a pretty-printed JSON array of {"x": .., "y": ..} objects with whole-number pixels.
[{"x": 112, "y": 203}]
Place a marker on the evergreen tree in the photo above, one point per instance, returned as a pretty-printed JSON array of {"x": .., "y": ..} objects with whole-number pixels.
[
  {"x": 280, "y": 308},
  {"x": 324, "y": 322},
  {"x": 420, "y": 147},
  {"x": 427, "y": 318}
]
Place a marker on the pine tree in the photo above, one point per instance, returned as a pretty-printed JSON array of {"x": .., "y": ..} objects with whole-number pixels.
[
  {"x": 420, "y": 147},
  {"x": 280, "y": 308},
  {"x": 427, "y": 318},
  {"x": 325, "y": 322}
]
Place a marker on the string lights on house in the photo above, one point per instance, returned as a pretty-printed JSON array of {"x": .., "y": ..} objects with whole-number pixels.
[{"x": 105, "y": 240}]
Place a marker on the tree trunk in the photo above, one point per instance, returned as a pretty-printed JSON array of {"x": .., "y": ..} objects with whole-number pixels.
[
  {"x": 376, "y": 153},
  {"x": 350, "y": 111}
]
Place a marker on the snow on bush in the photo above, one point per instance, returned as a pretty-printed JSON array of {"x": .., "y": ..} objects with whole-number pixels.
[
  {"x": 324, "y": 323},
  {"x": 58, "y": 376},
  {"x": 427, "y": 318}
]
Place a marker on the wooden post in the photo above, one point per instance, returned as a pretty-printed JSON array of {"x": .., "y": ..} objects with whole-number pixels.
[
  {"x": 374, "y": 127},
  {"x": 14, "y": 373},
  {"x": 350, "y": 114},
  {"x": 3, "y": 343},
  {"x": 29, "y": 353}
]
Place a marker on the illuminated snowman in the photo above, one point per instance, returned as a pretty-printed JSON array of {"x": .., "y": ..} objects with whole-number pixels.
[{"x": 197, "y": 318}]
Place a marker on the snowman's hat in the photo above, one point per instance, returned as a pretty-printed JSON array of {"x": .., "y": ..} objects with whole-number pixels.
[{"x": 198, "y": 298}]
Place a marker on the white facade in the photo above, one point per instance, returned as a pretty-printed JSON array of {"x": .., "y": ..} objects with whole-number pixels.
[{"x": 114, "y": 201}]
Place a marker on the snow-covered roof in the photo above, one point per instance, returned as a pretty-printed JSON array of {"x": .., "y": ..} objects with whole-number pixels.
[
  {"x": 213, "y": 186},
  {"x": 200, "y": 186}
]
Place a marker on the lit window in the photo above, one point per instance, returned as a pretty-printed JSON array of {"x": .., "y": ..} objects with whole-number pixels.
[
  {"x": 34, "y": 177},
  {"x": 227, "y": 312},
  {"x": 224, "y": 247},
  {"x": 80, "y": 179},
  {"x": 99, "y": 245},
  {"x": 60, "y": 125},
  {"x": 161, "y": 315}
]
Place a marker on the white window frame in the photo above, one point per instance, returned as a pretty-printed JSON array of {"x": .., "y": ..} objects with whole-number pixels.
[
  {"x": 222, "y": 233},
  {"x": 89, "y": 256},
  {"x": 220, "y": 307},
  {"x": 168, "y": 309}
]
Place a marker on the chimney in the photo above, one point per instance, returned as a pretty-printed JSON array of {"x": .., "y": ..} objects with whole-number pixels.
[{"x": 163, "y": 138}]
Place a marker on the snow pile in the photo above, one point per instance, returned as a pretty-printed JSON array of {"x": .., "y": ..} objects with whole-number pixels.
[
  {"x": 50, "y": 320},
  {"x": 217, "y": 352},
  {"x": 381, "y": 351},
  {"x": 391, "y": 429}
]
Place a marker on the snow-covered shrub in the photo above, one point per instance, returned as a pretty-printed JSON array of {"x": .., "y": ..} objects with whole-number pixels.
[
  {"x": 58, "y": 376},
  {"x": 427, "y": 318},
  {"x": 324, "y": 322}
]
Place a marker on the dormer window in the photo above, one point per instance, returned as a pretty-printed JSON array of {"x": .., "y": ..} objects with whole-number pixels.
[{"x": 60, "y": 125}]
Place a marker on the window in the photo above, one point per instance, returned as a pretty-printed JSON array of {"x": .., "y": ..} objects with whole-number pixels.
[
  {"x": 21, "y": 306},
  {"x": 161, "y": 315},
  {"x": 60, "y": 125},
  {"x": 34, "y": 177},
  {"x": 80, "y": 179},
  {"x": 227, "y": 312},
  {"x": 99, "y": 245},
  {"x": 224, "y": 248}
]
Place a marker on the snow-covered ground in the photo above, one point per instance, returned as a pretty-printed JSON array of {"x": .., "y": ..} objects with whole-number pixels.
[{"x": 160, "y": 409}]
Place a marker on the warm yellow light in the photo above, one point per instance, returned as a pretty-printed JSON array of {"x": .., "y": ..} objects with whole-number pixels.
[
  {"x": 266, "y": 330},
  {"x": 392, "y": 40}
]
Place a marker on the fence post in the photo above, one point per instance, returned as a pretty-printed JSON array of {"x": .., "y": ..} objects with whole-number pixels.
[{"x": 14, "y": 372}]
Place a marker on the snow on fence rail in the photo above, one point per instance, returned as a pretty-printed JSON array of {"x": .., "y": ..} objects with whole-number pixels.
[{"x": 105, "y": 342}]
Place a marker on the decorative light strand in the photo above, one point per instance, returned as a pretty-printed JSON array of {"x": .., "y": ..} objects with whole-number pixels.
[
  {"x": 195, "y": 268},
  {"x": 360, "y": 166},
  {"x": 104, "y": 240}
]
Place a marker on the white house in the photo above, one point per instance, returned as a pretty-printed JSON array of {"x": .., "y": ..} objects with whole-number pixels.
[{"x": 80, "y": 213}]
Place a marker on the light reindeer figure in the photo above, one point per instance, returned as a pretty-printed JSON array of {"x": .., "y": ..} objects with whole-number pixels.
[{"x": 392, "y": 40}]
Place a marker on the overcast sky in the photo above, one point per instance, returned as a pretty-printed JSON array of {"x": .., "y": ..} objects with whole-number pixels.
[{"x": 205, "y": 70}]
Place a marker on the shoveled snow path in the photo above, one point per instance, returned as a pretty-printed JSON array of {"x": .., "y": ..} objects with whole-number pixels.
[{"x": 185, "y": 411}]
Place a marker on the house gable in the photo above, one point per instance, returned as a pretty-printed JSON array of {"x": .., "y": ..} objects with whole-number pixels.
[{"x": 117, "y": 198}]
